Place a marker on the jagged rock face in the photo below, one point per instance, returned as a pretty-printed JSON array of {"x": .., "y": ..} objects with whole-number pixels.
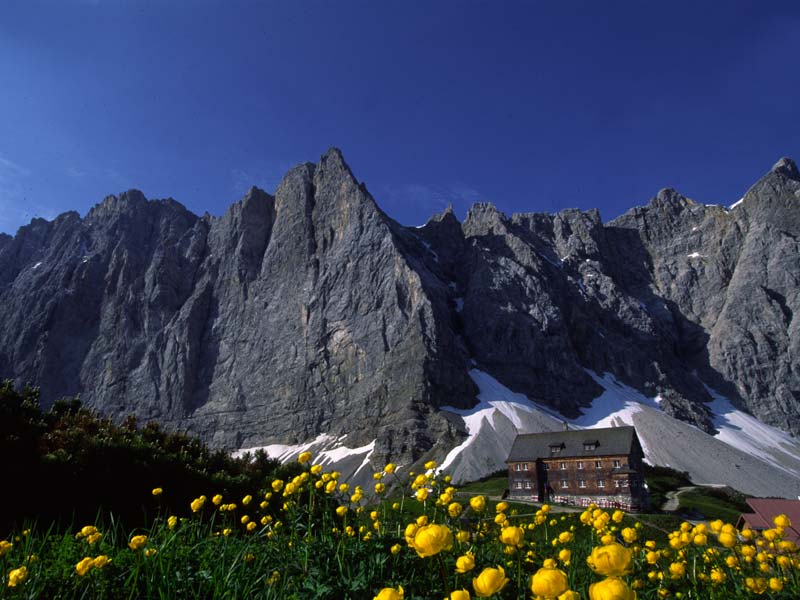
[{"x": 312, "y": 312}]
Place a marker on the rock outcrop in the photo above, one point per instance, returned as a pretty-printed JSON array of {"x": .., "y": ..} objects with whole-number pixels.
[{"x": 312, "y": 312}]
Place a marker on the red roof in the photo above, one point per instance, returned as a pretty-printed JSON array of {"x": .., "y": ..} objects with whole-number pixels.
[{"x": 764, "y": 509}]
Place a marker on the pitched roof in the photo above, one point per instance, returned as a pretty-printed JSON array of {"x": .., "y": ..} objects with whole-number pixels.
[
  {"x": 610, "y": 440},
  {"x": 764, "y": 509}
]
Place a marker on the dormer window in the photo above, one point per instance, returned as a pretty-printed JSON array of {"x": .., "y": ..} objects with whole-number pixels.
[
  {"x": 556, "y": 448},
  {"x": 590, "y": 445}
]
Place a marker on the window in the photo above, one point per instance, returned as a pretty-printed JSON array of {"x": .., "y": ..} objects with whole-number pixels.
[
  {"x": 580, "y": 465},
  {"x": 517, "y": 467},
  {"x": 563, "y": 466},
  {"x": 525, "y": 467},
  {"x": 518, "y": 485},
  {"x": 555, "y": 449},
  {"x": 564, "y": 484},
  {"x": 616, "y": 464},
  {"x": 601, "y": 483},
  {"x": 528, "y": 484},
  {"x": 590, "y": 445},
  {"x": 598, "y": 464},
  {"x": 581, "y": 483},
  {"x": 617, "y": 483}
]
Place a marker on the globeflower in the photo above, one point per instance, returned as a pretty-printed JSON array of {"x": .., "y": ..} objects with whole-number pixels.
[
  {"x": 489, "y": 582},
  {"x": 389, "y": 468},
  {"x": 157, "y": 491},
  {"x": 197, "y": 504},
  {"x": 477, "y": 503},
  {"x": 611, "y": 560},
  {"x": 137, "y": 542},
  {"x": 512, "y": 536},
  {"x": 611, "y": 588},
  {"x": 304, "y": 457},
  {"x": 390, "y": 594},
  {"x": 5, "y": 547},
  {"x": 432, "y": 539},
  {"x": 782, "y": 521},
  {"x": 17, "y": 576},
  {"x": 465, "y": 563},
  {"x": 83, "y": 566},
  {"x": 458, "y": 595},
  {"x": 172, "y": 522},
  {"x": 454, "y": 509},
  {"x": 549, "y": 583},
  {"x": 431, "y": 464},
  {"x": 100, "y": 561}
]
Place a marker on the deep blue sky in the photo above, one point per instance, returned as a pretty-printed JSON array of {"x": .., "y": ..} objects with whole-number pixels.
[{"x": 534, "y": 106}]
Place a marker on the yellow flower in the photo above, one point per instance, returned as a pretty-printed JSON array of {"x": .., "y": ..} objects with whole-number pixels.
[
  {"x": 341, "y": 510},
  {"x": 429, "y": 540},
  {"x": 717, "y": 576},
  {"x": 565, "y": 537},
  {"x": 216, "y": 500},
  {"x": 549, "y": 583},
  {"x": 454, "y": 509},
  {"x": 157, "y": 491},
  {"x": 172, "y": 522},
  {"x": 465, "y": 563},
  {"x": 512, "y": 536},
  {"x": 150, "y": 552},
  {"x": 395, "y": 549},
  {"x": 431, "y": 464},
  {"x": 570, "y": 595},
  {"x": 489, "y": 582},
  {"x": 197, "y": 504},
  {"x": 618, "y": 516},
  {"x": 565, "y": 555},
  {"x": 458, "y": 595},
  {"x": 91, "y": 539},
  {"x": 501, "y": 507},
  {"x": 17, "y": 576},
  {"x": 611, "y": 588},
  {"x": 380, "y": 488},
  {"x": 629, "y": 534},
  {"x": 227, "y": 531},
  {"x": 316, "y": 469},
  {"x": 251, "y": 526},
  {"x": 389, "y": 468},
  {"x": 390, "y": 594},
  {"x": 277, "y": 485},
  {"x": 478, "y": 503},
  {"x": 274, "y": 578},
  {"x": 137, "y": 542},
  {"x": 775, "y": 583},
  {"x": 100, "y": 561},
  {"x": 247, "y": 500},
  {"x": 610, "y": 560},
  {"x": 422, "y": 494},
  {"x": 463, "y": 536},
  {"x": 782, "y": 521},
  {"x": 304, "y": 457},
  {"x": 677, "y": 570},
  {"x": 83, "y": 566},
  {"x": 757, "y": 585},
  {"x": 5, "y": 547},
  {"x": 727, "y": 539}
]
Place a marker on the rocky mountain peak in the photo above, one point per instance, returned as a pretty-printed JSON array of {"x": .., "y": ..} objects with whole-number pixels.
[{"x": 786, "y": 166}]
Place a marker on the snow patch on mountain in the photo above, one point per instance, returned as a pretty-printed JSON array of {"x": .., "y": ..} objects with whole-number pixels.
[
  {"x": 743, "y": 431},
  {"x": 326, "y": 450}
]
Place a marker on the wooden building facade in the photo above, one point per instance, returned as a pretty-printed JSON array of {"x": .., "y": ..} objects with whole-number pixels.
[{"x": 579, "y": 467}]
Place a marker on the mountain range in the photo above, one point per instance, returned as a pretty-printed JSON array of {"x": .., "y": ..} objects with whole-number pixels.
[{"x": 311, "y": 319}]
